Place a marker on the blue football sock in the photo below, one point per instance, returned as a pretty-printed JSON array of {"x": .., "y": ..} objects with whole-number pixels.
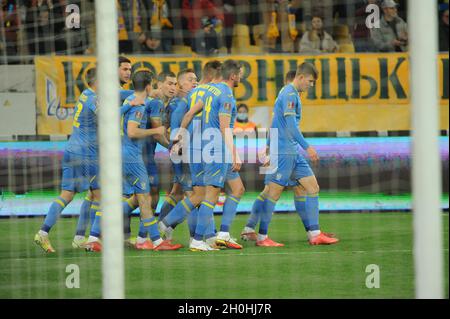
[
  {"x": 266, "y": 216},
  {"x": 179, "y": 213},
  {"x": 211, "y": 230},
  {"x": 229, "y": 212},
  {"x": 192, "y": 221},
  {"x": 96, "y": 226},
  {"x": 95, "y": 206},
  {"x": 150, "y": 225},
  {"x": 300, "y": 207},
  {"x": 312, "y": 211},
  {"x": 142, "y": 231},
  {"x": 167, "y": 206},
  {"x": 257, "y": 208},
  {"x": 205, "y": 212},
  {"x": 83, "y": 219},
  {"x": 128, "y": 209},
  {"x": 54, "y": 211}
]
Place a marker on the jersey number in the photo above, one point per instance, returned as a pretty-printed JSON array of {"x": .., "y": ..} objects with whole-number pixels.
[
  {"x": 194, "y": 100},
  {"x": 208, "y": 108},
  {"x": 79, "y": 107}
]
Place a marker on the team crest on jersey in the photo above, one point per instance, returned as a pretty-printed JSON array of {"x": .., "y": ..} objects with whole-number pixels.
[
  {"x": 139, "y": 115},
  {"x": 142, "y": 184},
  {"x": 227, "y": 106},
  {"x": 291, "y": 105}
]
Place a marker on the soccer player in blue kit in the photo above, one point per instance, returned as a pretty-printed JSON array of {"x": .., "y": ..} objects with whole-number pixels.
[
  {"x": 177, "y": 108},
  {"x": 90, "y": 206},
  {"x": 191, "y": 120},
  {"x": 135, "y": 177},
  {"x": 300, "y": 195},
  {"x": 291, "y": 164},
  {"x": 218, "y": 117},
  {"x": 79, "y": 165}
]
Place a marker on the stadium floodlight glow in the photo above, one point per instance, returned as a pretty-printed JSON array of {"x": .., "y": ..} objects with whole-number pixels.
[
  {"x": 426, "y": 170},
  {"x": 110, "y": 149}
]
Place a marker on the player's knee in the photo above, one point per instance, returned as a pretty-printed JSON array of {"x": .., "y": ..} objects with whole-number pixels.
[
  {"x": 313, "y": 190},
  {"x": 196, "y": 200},
  {"x": 239, "y": 191},
  {"x": 67, "y": 196}
]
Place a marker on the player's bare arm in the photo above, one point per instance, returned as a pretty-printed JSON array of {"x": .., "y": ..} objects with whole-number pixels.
[
  {"x": 161, "y": 139},
  {"x": 198, "y": 107},
  {"x": 134, "y": 131}
]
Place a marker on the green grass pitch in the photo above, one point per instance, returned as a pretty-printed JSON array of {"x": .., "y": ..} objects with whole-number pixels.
[{"x": 297, "y": 270}]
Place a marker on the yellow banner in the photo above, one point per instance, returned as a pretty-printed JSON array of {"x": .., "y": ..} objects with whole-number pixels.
[{"x": 354, "y": 92}]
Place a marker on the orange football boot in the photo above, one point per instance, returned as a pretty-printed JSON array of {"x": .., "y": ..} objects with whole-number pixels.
[
  {"x": 268, "y": 243},
  {"x": 322, "y": 239},
  {"x": 167, "y": 245},
  {"x": 146, "y": 245}
]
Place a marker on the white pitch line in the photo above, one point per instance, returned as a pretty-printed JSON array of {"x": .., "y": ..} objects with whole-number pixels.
[{"x": 200, "y": 254}]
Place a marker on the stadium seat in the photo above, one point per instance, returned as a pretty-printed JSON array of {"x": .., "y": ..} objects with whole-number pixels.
[
  {"x": 182, "y": 49},
  {"x": 241, "y": 36},
  {"x": 258, "y": 34},
  {"x": 346, "y": 47}
]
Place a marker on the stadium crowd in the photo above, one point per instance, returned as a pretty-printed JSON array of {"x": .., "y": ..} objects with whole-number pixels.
[{"x": 209, "y": 27}]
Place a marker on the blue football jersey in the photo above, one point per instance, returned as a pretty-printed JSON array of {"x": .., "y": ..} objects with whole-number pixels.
[
  {"x": 131, "y": 147},
  {"x": 202, "y": 92},
  {"x": 287, "y": 104},
  {"x": 83, "y": 140},
  {"x": 221, "y": 101},
  {"x": 154, "y": 110},
  {"x": 177, "y": 108}
]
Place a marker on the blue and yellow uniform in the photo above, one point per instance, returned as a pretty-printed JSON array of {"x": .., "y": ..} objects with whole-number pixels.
[
  {"x": 80, "y": 159},
  {"x": 135, "y": 177},
  {"x": 220, "y": 103},
  {"x": 290, "y": 164},
  {"x": 176, "y": 110},
  {"x": 195, "y": 134},
  {"x": 154, "y": 110}
]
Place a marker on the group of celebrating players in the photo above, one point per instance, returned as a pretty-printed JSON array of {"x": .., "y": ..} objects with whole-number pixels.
[{"x": 177, "y": 113}]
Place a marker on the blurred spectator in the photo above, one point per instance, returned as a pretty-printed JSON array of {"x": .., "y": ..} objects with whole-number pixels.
[
  {"x": 193, "y": 11},
  {"x": 242, "y": 124},
  {"x": 129, "y": 25},
  {"x": 45, "y": 26},
  {"x": 9, "y": 26},
  {"x": 392, "y": 36},
  {"x": 77, "y": 39},
  {"x": 155, "y": 18},
  {"x": 206, "y": 42},
  {"x": 150, "y": 43},
  {"x": 443, "y": 30},
  {"x": 361, "y": 34},
  {"x": 317, "y": 40}
]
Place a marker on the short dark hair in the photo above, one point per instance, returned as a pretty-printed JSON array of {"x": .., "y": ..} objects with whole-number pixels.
[
  {"x": 141, "y": 79},
  {"x": 212, "y": 69},
  {"x": 242, "y": 105},
  {"x": 163, "y": 75},
  {"x": 91, "y": 76},
  {"x": 290, "y": 76},
  {"x": 230, "y": 67},
  {"x": 184, "y": 71},
  {"x": 123, "y": 59},
  {"x": 307, "y": 68}
]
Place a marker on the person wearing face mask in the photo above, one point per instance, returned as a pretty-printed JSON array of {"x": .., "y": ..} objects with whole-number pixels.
[{"x": 242, "y": 123}]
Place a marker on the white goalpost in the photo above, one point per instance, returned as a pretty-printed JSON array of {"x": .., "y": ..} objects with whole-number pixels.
[
  {"x": 426, "y": 171},
  {"x": 110, "y": 150}
]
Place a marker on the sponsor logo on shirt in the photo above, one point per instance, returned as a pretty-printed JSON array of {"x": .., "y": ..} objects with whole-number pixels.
[{"x": 291, "y": 105}]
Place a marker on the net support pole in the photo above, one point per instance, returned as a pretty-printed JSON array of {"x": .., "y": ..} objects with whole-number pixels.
[
  {"x": 426, "y": 166},
  {"x": 110, "y": 150}
]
